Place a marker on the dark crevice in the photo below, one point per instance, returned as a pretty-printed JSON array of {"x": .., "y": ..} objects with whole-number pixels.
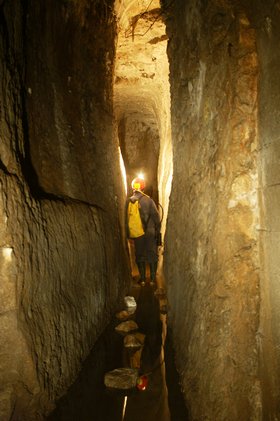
[
  {"x": 4, "y": 168},
  {"x": 230, "y": 49},
  {"x": 177, "y": 405},
  {"x": 49, "y": 196},
  {"x": 70, "y": 200},
  {"x": 28, "y": 170},
  {"x": 156, "y": 40},
  {"x": 16, "y": 68}
]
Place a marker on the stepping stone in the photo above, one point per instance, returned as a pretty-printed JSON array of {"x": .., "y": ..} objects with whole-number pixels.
[
  {"x": 135, "y": 354},
  {"x": 121, "y": 378},
  {"x": 140, "y": 337},
  {"x": 132, "y": 343},
  {"x": 126, "y": 327},
  {"x": 135, "y": 359},
  {"x": 123, "y": 315},
  {"x": 130, "y": 302},
  {"x": 131, "y": 310}
]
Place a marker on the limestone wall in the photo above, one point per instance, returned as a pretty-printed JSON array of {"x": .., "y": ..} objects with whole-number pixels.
[
  {"x": 212, "y": 239},
  {"x": 63, "y": 265},
  {"x": 267, "y": 20}
]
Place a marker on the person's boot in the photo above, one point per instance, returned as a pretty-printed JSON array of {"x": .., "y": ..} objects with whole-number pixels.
[
  {"x": 142, "y": 272},
  {"x": 153, "y": 271}
]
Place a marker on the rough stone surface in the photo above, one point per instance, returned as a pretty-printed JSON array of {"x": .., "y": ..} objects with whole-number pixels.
[
  {"x": 123, "y": 315},
  {"x": 62, "y": 260},
  {"x": 69, "y": 73},
  {"x": 132, "y": 342},
  {"x": 126, "y": 327},
  {"x": 121, "y": 378},
  {"x": 268, "y": 36},
  {"x": 130, "y": 302},
  {"x": 63, "y": 267},
  {"x": 212, "y": 246}
]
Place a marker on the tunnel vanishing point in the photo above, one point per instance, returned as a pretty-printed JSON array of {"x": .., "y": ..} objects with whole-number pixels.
[{"x": 187, "y": 91}]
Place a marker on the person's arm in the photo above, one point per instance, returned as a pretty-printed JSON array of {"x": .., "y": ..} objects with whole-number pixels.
[
  {"x": 154, "y": 215},
  {"x": 126, "y": 218}
]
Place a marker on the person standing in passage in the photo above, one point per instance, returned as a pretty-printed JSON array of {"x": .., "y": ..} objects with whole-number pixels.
[{"x": 146, "y": 248}]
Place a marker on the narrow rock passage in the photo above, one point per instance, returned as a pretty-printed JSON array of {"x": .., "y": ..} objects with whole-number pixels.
[{"x": 88, "y": 399}]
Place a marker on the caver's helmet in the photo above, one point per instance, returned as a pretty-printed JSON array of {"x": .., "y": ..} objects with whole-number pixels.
[{"x": 138, "y": 184}]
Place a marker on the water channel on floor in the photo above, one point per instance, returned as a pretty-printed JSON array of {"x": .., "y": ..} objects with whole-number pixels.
[{"x": 89, "y": 400}]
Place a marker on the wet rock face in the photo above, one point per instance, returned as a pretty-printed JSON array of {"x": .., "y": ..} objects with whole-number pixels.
[
  {"x": 61, "y": 286},
  {"x": 61, "y": 249},
  {"x": 213, "y": 262},
  {"x": 69, "y": 72}
]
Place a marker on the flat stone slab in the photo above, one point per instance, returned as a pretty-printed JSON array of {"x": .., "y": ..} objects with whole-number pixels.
[
  {"x": 132, "y": 342},
  {"x": 126, "y": 327},
  {"x": 121, "y": 378}
]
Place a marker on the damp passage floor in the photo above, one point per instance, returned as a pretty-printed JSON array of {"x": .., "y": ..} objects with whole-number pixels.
[{"x": 89, "y": 400}]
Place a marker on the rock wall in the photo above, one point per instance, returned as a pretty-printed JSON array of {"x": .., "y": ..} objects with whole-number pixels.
[
  {"x": 267, "y": 20},
  {"x": 212, "y": 242},
  {"x": 63, "y": 260}
]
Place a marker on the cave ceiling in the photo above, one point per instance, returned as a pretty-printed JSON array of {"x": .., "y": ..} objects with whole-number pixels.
[{"x": 141, "y": 63}]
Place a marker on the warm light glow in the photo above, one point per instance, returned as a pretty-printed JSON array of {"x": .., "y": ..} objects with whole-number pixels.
[
  {"x": 123, "y": 170},
  {"x": 7, "y": 253},
  {"x": 141, "y": 175}
]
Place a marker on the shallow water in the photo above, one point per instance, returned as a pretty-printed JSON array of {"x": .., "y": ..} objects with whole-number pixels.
[{"x": 89, "y": 400}]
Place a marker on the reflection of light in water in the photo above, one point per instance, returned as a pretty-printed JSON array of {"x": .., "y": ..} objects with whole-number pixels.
[
  {"x": 7, "y": 253},
  {"x": 124, "y": 406},
  {"x": 123, "y": 170}
]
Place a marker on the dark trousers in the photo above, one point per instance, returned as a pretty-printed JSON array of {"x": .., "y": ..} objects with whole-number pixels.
[
  {"x": 146, "y": 252},
  {"x": 146, "y": 249}
]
